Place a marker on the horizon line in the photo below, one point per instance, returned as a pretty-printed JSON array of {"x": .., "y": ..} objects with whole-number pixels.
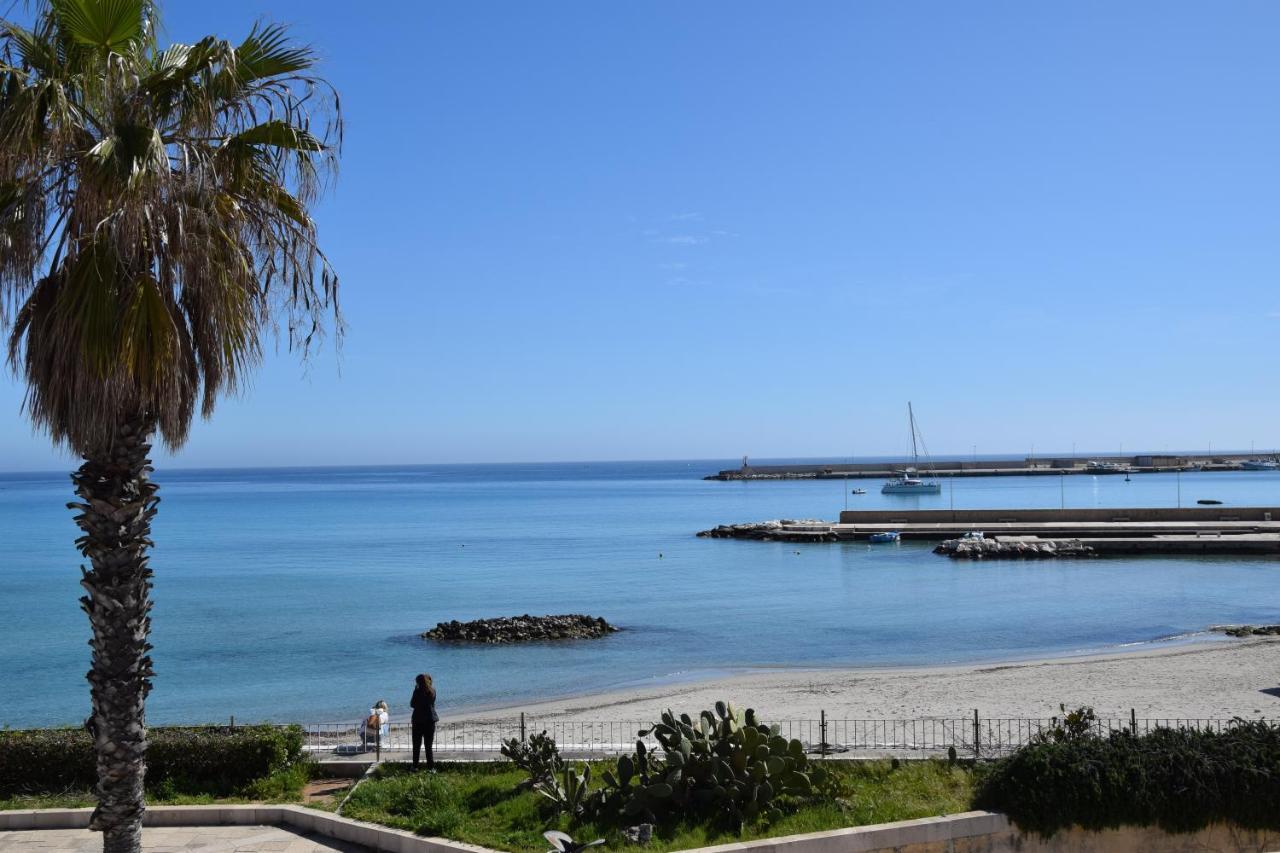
[{"x": 841, "y": 459}]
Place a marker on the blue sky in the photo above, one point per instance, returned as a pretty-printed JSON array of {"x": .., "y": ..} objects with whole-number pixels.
[{"x": 584, "y": 230}]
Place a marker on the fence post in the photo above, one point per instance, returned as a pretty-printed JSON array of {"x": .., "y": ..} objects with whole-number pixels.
[
  {"x": 377, "y": 741},
  {"x": 1133, "y": 720},
  {"x": 522, "y": 731},
  {"x": 977, "y": 736},
  {"x": 822, "y": 730}
]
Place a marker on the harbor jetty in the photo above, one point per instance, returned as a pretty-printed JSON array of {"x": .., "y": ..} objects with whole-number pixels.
[
  {"x": 1046, "y": 466},
  {"x": 1044, "y": 532}
]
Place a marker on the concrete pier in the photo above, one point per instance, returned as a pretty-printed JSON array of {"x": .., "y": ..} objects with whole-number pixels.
[{"x": 1135, "y": 531}]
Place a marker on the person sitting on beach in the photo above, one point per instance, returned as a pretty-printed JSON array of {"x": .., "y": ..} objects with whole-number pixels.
[{"x": 376, "y": 724}]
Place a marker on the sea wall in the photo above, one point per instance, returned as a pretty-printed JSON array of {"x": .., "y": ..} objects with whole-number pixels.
[{"x": 987, "y": 516}]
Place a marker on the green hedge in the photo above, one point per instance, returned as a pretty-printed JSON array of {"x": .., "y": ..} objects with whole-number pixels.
[
  {"x": 216, "y": 761},
  {"x": 1178, "y": 779}
]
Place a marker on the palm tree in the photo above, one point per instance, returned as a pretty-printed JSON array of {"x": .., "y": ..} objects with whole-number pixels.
[{"x": 154, "y": 232}]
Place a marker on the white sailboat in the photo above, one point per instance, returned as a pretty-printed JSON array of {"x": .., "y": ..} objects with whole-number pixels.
[{"x": 909, "y": 483}]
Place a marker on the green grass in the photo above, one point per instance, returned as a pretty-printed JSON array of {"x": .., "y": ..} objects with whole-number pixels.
[
  {"x": 480, "y": 804},
  {"x": 61, "y": 800}
]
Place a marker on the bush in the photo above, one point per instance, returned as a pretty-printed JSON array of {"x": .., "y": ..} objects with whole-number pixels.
[
  {"x": 1180, "y": 780},
  {"x": 721, "y": 768},
  {"x": 538, "y": 756},
  {"x": 216, "y": 761}
]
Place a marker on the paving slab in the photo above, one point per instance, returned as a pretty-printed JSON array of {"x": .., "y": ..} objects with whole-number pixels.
[{"x": 206, "y": 839}]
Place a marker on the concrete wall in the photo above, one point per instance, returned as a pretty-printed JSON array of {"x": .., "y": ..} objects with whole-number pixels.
[
  {"x": 887, "y": 466},
  {"x": 969, "y": 832},
  {"x": 985, "y": 832},
  {"x": 987, "y": 516},
  {"x": 1145, "y": 460}
]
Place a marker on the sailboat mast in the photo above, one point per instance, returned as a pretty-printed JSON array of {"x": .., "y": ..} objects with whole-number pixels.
[{"x": 911, "y": 419}]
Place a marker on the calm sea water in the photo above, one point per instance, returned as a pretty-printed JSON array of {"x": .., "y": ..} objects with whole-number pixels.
[{"x": 299, "y": 594}]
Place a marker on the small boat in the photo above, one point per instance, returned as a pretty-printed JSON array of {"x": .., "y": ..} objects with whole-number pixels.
[
  {"x": 1209, "y": 502},
  {"x": 887, "y": 536},
  {"x": 858, "y": 492},
  {"x": 1259, "y": 465}
]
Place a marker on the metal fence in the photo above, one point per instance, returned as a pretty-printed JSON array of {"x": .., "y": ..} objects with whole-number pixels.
[{"x": 974, "y": 736}]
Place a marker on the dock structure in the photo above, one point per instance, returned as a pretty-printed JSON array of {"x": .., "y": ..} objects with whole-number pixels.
[
  {"x": 1131, "y": 531},
  {"x": 1059, "y": 523},
  {"x": 1044, "y": 466}
]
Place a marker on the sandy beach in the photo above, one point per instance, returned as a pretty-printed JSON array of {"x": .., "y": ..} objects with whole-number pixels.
[{"x": 1219, "y": 679}]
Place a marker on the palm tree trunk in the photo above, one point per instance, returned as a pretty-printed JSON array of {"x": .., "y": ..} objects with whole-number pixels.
[{"x": 118, "y": 503}]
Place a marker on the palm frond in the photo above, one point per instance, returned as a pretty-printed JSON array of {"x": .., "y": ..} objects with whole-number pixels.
[
  {"x": 155, "y": 218},
  {"x": 267, "y": 52},
  {"x": 111, "y": 25},
  {"x": 278, "y": 134}
]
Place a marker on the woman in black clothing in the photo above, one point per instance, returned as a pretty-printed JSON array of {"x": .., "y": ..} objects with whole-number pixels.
[{"x": 424, "y": 718}]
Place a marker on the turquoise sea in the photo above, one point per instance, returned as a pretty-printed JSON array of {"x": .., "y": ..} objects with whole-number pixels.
[{"x": 299, "y": 594}]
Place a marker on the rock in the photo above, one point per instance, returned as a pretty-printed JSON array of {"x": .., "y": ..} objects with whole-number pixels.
[
  {"x": 780, "y": 530},
  {"x": 1248, "y": 630},
  {"x": 639, "y": 834},
  {"x": 521, "y": 629},
  {"x": 995, "y": 549}
]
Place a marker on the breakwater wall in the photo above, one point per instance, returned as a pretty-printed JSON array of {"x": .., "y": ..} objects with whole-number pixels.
[
  {"x": 980, "y": 517},
  {"x": 979, "y": 467}
]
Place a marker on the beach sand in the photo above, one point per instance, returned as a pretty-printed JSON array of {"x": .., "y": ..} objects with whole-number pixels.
[{"x": 1219, "y": 679}]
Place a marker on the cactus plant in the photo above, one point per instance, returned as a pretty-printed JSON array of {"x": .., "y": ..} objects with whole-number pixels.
[
  {"x": 538, "y": 756},
  {"x": 569, "y": 792},
  {"x": 562, "y": 843},
  {"x": 722, "y": 765}
]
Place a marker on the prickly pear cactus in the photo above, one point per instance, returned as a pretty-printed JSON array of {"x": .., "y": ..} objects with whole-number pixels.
[{"x": 719, "y": 765}]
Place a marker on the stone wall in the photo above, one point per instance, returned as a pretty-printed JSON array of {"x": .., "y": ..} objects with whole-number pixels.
[{"x": 979, "y": 517}]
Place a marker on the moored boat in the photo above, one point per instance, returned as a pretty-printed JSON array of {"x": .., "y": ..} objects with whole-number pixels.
[
  {"x": 908, "y": 482},
  {"x": 887, "y": 536}
]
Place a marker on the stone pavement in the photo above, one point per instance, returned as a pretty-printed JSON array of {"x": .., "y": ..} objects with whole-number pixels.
[{"x": 207, "y": 839}]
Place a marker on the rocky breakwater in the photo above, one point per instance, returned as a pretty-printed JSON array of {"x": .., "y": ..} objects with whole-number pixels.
[
  {"x": 778, "y": 530},
  {"x": 1248, "y": 630},
  {"x": 521, "y": 629},
  {"x": 1012, "y": 549}
]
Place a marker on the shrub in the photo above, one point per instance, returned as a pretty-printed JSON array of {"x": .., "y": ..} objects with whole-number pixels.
[
  {"x": 720, "y": 768},
  {"x": 538, "y": 756},
  {"x": 1178, "y": 779},
  {"x": 1072, "y": 725},
  {"x": 216, "y": 761}
]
